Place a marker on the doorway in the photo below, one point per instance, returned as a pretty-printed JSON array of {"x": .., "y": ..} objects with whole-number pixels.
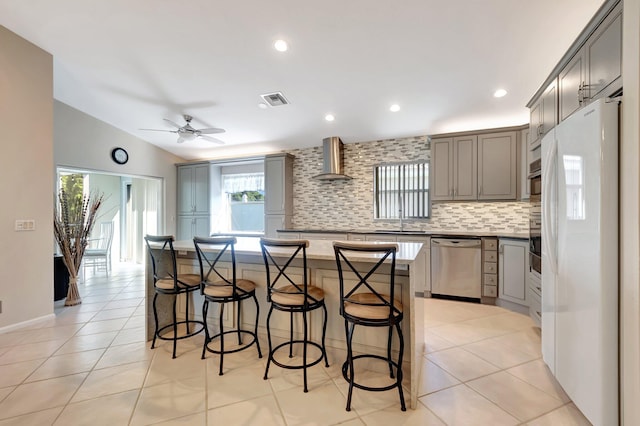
[{"x": 133, "y": 204}]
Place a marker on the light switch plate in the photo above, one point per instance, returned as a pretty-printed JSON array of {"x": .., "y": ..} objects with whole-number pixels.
[{"x": 25, "y": 225}]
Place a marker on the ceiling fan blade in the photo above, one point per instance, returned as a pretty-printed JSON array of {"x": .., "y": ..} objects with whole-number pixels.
[
  {"x": 210, "y": 131},
  {"x": 174, "y": 124},
  {"x": 210, "y": 139},
  {"x": 158, "y": 130}
]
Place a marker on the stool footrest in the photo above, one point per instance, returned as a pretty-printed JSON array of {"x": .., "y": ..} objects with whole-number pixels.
[
  {"x": 299, "y": 366},
  {"x": 184, "y": 336},
  {"x": 398, "y": 379},
  {"x": 243, "y": 346}
]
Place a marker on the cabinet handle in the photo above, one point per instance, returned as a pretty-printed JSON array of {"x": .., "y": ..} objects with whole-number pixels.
[
  {"x": 580, "y": 93},
  {"x": 501, "y": 249},
  {"x": 585, "y": 86}
]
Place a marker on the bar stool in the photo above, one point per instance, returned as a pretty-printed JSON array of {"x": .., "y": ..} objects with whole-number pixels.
[
  {"x": 166, "y": 280},
  {"x": 215, "y": 256},
  {"x": 362, "y": 304},
  {"x": 287, "y": 295}
]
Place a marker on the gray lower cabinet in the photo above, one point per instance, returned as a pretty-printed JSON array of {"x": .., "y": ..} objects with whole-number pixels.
[
  {"x": 191, "y": 226},
  {"x": 489, "y": 267},
  {"x": 425, "y": 254},
  {"x": 534, "y": 289},
  {"x": 513, "y": 261}
]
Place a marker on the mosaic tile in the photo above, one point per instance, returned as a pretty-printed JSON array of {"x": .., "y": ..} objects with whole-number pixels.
[{"x": 348, "y": 204}]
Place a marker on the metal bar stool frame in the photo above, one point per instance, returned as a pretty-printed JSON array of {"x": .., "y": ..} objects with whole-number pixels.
[
  {"x": 163, "y": 277},
  {"x": 388, "y": 311},
  {"x": 297, "y": 249},
  {"x": 222, "y": 249}
]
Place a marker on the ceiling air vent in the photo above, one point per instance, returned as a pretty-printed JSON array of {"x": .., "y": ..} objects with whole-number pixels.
[{"x": 275, "y": 99}]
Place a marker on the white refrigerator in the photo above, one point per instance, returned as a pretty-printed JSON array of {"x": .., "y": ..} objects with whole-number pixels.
[{"x": 580, "y": 259}]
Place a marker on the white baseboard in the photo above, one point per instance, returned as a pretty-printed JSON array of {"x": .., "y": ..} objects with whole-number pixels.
[{"x": 16, "y": 326}]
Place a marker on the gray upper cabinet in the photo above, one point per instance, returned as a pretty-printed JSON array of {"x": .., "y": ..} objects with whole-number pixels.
[
  {"x": 497, "y": 166},
  {"x": 603, "y": 51},
  {"x": 465, "y": 170},
  {"x": 596, "y": 69},
  {"x": 193, "y": 189},
  {"x": 278, "y": 175},
  {"x": 570, "y": 83},
  {"x": 193, "y": 201},
  {"x": 475, "y": 167},
  {"x": 526, "y": 157},
  {"x": 442, "y": 169},
  {"x": 278, "y": 193},
  {"x": 543, "y": 115},
  {"x": 592, "y": 69},
  {"x": 454, "y": 168}
]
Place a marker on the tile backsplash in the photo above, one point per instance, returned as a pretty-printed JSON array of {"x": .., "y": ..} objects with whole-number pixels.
[{"x": 348, "y": 204}]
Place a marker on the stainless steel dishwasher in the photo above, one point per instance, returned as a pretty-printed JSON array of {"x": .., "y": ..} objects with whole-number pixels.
[{"x": 456, "y": 268}]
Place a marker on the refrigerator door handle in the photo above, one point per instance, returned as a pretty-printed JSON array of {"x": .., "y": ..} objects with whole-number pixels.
[{"x": 549, "y": 192}]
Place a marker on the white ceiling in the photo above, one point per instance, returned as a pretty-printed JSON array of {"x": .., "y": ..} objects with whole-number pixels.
[{"x": 132, "y": 63}]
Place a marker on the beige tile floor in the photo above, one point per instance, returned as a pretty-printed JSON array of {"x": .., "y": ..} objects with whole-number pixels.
[{"x": 90, "y": 365}]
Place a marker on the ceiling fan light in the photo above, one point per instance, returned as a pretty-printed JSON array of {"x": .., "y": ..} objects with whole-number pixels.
[{"x": 188, "y": 136}]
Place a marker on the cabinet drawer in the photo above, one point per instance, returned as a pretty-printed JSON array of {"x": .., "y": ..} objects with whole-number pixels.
[
  {"x": 535, "y": 307},
  {"x": 490, "y": 256},
  {"x": 490, "y": 279},
  {"x": 490, "y": 268},
  {"x": 534, "y": 284},
  {"x": 490, "y": 244},
  {"x": 490, "y": 290}
]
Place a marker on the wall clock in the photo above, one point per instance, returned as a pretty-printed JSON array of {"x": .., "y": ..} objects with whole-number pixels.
[{"x": 119, "y": 155}]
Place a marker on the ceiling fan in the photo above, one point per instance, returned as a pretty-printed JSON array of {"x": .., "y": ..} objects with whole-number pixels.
[{"x": 188, "y": 133}]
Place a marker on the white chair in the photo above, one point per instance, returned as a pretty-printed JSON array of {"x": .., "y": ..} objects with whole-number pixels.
[{"x": 98, "y": 255}]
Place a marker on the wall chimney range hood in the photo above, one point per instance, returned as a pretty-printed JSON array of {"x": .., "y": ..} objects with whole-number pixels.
[{"x": 333, "y": 160}]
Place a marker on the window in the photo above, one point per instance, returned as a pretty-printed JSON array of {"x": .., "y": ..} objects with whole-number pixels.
[
  {"x": 74, "y": 185},
  {"x": 402, "y": 188},
  {"x": 244, "y": 196}
]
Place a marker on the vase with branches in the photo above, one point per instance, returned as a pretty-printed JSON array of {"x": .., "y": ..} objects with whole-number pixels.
[{"x": 73, "y": 221}]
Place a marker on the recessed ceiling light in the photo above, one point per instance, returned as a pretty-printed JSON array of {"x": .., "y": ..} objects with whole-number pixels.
[
  {"x": 394, "y": 108},
  {"x": 262, "y": 105},
  {"x": 329, "y": 117},
  {"x": 281, "y": 46},
  {"x": 499, "y": 93}
]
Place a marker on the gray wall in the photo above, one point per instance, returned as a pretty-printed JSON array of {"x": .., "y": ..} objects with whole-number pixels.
[{"x": 84, "y": 142}]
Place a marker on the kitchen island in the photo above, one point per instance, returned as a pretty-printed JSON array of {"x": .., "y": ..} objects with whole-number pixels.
[{"x": 322, "y": 272}]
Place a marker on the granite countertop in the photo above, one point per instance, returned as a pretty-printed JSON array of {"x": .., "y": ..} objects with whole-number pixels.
[
  {"x": 515, "y": 234},
  {"x": 318, "y": 250}
]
